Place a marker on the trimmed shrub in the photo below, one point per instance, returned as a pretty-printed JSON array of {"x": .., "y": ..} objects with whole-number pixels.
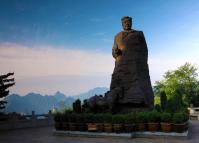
[
  {"x": 141, "y": 117},
  {"x": 180, "y": 117},
  {"x": 166, "y": 117},
  {"x": 153, "y": 116}
]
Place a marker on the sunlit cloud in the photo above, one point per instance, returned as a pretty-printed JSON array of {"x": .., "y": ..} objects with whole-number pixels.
[
  {"x": 46, "y": 60},
  {"x": 47, "y": 69}
]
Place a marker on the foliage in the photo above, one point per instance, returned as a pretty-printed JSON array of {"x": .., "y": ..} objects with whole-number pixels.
[
  {"x": 5, "y": 83},
  {"x": 130, "y": 118},
  {"x": 57, "y": 117},
  {"x": 99, "y": 118},
  {"x": 141, "y": 117},
  {"x": 118, "y": 119},
  {"x": 77, "y": 106},
  {"x": 156, "y": 100},
  {"x": 166, "y": 117},
  {"x": 180, "y": 84},
  {"x": 180, "y": 117},
  {"x": 157, "y": 108},
  {"x": 153, "y": 116},
  {"x": 163, "y": 100},
  {"x": 107, "y": 118},
  {"x": 175, "y": 104}
]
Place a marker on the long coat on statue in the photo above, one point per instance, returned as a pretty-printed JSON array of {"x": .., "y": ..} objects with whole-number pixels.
[{"x": 131, "y": 72}]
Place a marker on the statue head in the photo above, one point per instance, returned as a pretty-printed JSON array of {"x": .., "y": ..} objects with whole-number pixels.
[{"x": 126, "y": 23}]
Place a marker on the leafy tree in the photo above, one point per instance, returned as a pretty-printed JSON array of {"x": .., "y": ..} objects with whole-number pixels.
[
  {"x": 77, "y": 106},
  {"x": 180, "y": 86},
  {"x": 163, "y": 100},
  {"x": 5, "y": 83}
]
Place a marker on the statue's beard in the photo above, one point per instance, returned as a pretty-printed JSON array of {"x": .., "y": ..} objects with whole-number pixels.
[{"x": 127, "y": 27}]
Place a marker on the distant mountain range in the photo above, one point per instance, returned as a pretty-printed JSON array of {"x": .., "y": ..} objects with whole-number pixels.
[{"x": 42, "y": 104}]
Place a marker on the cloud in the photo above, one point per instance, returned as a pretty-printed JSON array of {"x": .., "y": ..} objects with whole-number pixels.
[
  {"x": 46, "y": 61},
  {"x": 46, "y": 69}
]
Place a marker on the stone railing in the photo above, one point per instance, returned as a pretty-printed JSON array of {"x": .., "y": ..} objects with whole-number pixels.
[{"x": 28, "y": 121}]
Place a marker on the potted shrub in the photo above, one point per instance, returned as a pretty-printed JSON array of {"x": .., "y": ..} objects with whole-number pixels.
[
  {"x": 108, "y": 123},
  {"x": 79, "y": 122},
  {"x": 81, "y": 119},
  {"x": 99, "y": 120},
  {"x": 118, "y": 122},
  {"x": 141, "y": 120},
  {"x": 166, "y": 119},
  {"x": 58, "y": 121},
  {"x": 91, "y": 123},
  {"x": 72, "y": 122},
  {"x": 180, "y": 122},
  {"x": 153, "y": 119},
  {"x": 130, "y": 122},
  {"x": 65, "y": 121}
]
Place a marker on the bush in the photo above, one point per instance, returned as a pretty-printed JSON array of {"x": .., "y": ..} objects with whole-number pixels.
[
  {"x": 99, "y": 118},
  {"x": 130, "y": 118},
  {"x": 153, "y": 116},
  {"x": 180, "y": 117},
  {"x": 57, "y": 117},
  {"x": 107, "y": 118},
  {"x": 72, "y": 118},
  {"x": 90, "y": 118},
  {"x": 166, "y": 117},
  {"x": 163, "y": 100},
  {"x": 141, "y": 117},
  {"x": 118, "y": 119},
  {"x": 157, "y": 108}
]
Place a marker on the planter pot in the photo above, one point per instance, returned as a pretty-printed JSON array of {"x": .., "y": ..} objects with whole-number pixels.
[
  {"x": 153, "y": 127},
  {"x": 118, "y": 128},
  {"x": 82, "y": 127},
  {"x": 166, "y": 127},
  {"x": 108, "y": 127},
  {"x": 100, "y": 127},
  {"x": 73, "y": 126},
  {"x": 140, "y": 126},
  {"x": 129, "y": 128},
  {"x": 58, "y": 125},
  {"x": 92, "y": 127},
  {"x": 65, "y": 126},
  {"x": 179, "y": 128}
]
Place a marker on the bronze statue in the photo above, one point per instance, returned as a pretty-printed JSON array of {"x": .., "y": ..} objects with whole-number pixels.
[{"x": 130, "y": 87}]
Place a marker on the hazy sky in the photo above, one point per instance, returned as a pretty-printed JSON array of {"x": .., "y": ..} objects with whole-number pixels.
[{"x": 66, "y": 45}]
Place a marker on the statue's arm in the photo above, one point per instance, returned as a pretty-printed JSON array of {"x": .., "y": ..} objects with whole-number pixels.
[{"x": 115, "y": 50}]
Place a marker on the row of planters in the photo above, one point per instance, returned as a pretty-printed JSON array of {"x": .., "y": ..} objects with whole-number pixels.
[
  {"x": 140, "y": 121},
  {"x": 166, "y": 122}
]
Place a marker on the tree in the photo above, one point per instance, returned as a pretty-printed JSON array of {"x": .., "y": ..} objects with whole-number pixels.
[
  {"x": 77, "y": 106},
  {"x": 5, "y": 83},
  {"x": 163, "y": 100},
  {"x": 180, "y": 84}
]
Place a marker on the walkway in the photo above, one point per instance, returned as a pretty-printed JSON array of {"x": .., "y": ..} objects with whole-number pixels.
[{"x": 44, "y": 135}]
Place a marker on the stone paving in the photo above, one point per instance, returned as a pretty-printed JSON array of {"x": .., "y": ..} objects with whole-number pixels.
[{"x": 45, "y": 135}]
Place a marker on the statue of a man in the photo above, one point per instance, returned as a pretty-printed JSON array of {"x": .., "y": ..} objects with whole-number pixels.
[
  {"x": 130, "y": 87},
  {"x": 131, "y": 73}
]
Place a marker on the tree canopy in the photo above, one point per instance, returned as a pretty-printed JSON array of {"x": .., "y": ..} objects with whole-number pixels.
[
  {"x": 180, "y": 85},
  {"x": 5, "y": 83}
]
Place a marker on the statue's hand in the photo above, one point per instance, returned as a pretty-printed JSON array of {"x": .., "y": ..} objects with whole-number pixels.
[{"x": 118, "y": 52}]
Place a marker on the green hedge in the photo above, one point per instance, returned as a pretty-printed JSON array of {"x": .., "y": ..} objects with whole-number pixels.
[{"x": 131, "y": 118}]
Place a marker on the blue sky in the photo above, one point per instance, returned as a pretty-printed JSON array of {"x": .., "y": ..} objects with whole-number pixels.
[{"x": 41, "y": 28}]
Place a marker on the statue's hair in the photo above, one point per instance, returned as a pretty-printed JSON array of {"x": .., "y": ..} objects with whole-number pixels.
[{"x": 126, "y": 17}]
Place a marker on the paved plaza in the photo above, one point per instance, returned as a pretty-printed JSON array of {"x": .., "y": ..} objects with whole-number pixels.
[{"x": 45, "y": 135}]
